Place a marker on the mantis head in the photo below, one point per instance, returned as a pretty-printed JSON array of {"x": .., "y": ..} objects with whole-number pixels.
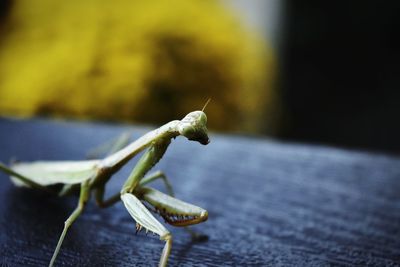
[{"x": 193, "y": 127}]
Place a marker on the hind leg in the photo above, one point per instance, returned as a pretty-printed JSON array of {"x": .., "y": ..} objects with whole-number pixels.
[{"x": 84, "y": 196}]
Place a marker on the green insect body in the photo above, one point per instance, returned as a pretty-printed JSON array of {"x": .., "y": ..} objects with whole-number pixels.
[{"x": 93, "y": 175}]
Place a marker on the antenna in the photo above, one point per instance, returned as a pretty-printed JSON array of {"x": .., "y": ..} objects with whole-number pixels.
[{"x": 205, "y": 105}]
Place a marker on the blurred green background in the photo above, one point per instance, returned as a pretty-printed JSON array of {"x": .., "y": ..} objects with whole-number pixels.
[{"x": 136, "y": 61}]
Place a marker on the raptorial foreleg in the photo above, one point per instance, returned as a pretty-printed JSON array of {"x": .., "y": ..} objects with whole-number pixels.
[{"x": 145, "y": 219}]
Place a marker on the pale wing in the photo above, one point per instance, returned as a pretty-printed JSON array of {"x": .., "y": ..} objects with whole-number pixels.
[{"x": 55, "y": 172}]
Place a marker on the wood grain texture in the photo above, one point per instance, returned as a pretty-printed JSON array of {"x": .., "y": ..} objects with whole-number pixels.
[{"x": 269, "y": 203}]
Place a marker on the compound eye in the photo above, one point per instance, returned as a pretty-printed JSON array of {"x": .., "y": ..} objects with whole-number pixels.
[{"x": 204, "y": 140}]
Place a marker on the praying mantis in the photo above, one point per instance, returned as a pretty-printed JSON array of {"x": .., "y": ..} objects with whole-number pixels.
[{"x": 88, "y": 176}]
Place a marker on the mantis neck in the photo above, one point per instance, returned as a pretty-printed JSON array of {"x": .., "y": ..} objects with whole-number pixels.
[{"x": 165, "y": 133}]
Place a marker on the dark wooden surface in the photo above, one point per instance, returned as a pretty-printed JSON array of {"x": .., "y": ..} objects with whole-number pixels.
[{"x": 269, "y": 203}]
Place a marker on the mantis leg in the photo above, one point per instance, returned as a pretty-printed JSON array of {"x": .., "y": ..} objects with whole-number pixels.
[
  {"x": 145, "y": 219},
  {"x": 99, "y": 193},
  {"x": 23, "y": 179},
  {"x": 158, "y": 175},
  {"x": 99, "y": 196},
  {"x": 172, "y": 210},
  {"x": 145, "y": 163},
  {"x": 69, "y": 189},
  {"x": 83, "y": 198}
]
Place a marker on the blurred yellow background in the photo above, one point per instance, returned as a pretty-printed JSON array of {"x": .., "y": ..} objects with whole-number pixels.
[{"x": 135, "y": 61}]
